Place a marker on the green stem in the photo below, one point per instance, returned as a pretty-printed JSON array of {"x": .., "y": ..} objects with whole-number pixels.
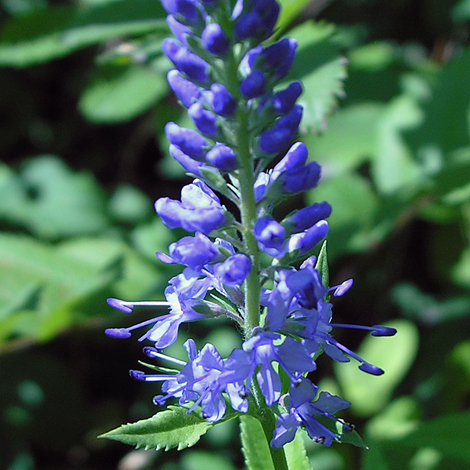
[
  {"x": 278, "y": 456},
  {"x": 248, "y": 209},
  {"x": 248, "y": 206}
]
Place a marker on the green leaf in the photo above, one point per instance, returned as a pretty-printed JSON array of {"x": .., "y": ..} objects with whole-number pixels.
[
  {"x": 290, "y": 9},
  {"x": 369, "y": 394},
  {"x": 40, "y": 286},
  {"x": 60, "y": 30},
  {"x": 51, "y": 200},
  {"x": 122, "y": 93},
  {"x": 296, "y": 454},
  {"x": 393, "y": 165},
  {"x": 322, "y": 265},
  {"x": 447, "y": 122},
  {"x": 255, "y": 448},
  {"x": 354, "y": 205},
  {"x": 322, "y": 70},
  {"x": 202, "y": 460},
  {"x": 169, "y": 429},
  {"x": 447, "y": 434},
  {"x": 351, "y": 138}
]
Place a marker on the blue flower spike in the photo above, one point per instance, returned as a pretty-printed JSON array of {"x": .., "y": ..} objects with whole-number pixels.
[{"x": 248, "y": 265}]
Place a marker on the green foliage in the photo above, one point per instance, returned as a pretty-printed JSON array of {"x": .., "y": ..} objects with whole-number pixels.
[
  {"x": 46, "y": 34},
  {"x": 369, "y": 394},
  {"x": 172, "y": 428},
  {"x": 391, "y": 130},
  {"x": 254, "y": 445}
]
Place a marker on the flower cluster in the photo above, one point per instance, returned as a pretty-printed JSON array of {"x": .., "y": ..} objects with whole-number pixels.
[{"x": 260, "y": 268}]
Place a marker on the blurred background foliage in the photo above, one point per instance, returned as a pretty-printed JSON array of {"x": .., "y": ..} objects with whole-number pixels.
[{"x": 83, "y": 100}]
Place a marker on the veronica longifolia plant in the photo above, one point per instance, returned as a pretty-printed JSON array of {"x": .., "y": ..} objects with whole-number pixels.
[{"x": 249, "y": 266}]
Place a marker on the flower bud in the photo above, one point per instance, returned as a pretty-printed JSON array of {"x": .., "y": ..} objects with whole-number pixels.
[
  {"x": 301, "y": 178},
  {"x": 278, "y": 137},
  {"x": 189, "y": 164},
  {"x": 304, "y": 218},
  {"x": 204, "y": 120},
  {"x": 179, "y": 30},
  {"x": 254, "y": 85},
  {"x": 215, "y": 40},
  {"x": 186, "y": 91},
  {"x": 222, "y": 157},
  {"x": 188, "y": 140},
  {"x": 191, "y": 64},
  {"x": 234, "y": 270},
  {"x": 270, "y": 235},
  {"x": 283, "y": 101},
  {"x": 248, "y": 25},
  {"x": 185, "y": 8},
  {"x": 194, "y": 252},
  {"x": 198, "y": 211},
  {"x": 296, "y": 156},
  {"x": 222, "y": 101}
]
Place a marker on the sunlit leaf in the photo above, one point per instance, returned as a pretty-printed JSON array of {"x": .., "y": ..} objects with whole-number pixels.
[
  {"x": 60, "y": 30},
  {"x": 169, "y": 429},
  {"x": 369, "y": 394}
]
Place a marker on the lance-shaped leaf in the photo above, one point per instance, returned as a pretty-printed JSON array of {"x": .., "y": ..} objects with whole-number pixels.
[{"x": 168, "y": 429}]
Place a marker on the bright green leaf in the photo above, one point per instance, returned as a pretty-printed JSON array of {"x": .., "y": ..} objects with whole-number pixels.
[
  {"x": 44, "y": 285},
  {"x": 60, "y": 30},
  {"x": 51, "y": 200},
  {"x": 369, "y": 394},
  {"x": 169, "y": 429},
  {"x": 446, "y": 123},
  {"x": 322, "y": 70},
  {"x": 255, "y": 448},
  {"x": 447, "y": 434},
  {"x": 296, "y": 454},
  {"x": 350, "y": 140},
  {"x": 122, "y": 93}
]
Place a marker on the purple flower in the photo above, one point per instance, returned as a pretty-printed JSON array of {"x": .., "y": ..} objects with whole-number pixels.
[
  {"x": 186, "y": 91},
  {"x": 194, "y": 252},
  {"x": 189, "y": 164},
  {"x": 198, "y": 211},
  {"x": 254, "y": 85},
  {"x": 281, "y": 134},
  {"x": 290, "y": 355},
  {"x": 188, "y": 9},
  {"x": 234, "y": 270},
  {"x": 205, "y": 121},
  {"x": 270, "y": 235},
  {"x": 203, "y": 380},
  {"x": 191, "y": 64},
  {"x": 215, "y": 40},
  {"x": 308, "y": 239},
  {"x": 188, "y": 140},
  {"x": 222, "y": 157},
  {"x": 308, "y": 216},
  {"x": 222, "y": 101},
  {"x": 303, "y": 408},
  {"x": 284, "y": 100},
  {"x": 301, "y": 179}
]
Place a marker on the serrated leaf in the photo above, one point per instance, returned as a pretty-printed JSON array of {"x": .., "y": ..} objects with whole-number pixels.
[
  {"x": 255, "y": 448},
  {"x": 296, "y": 454},
  {"x": 321, "y": 69},
  {"x": 169, "y": 429},
  {"x": 60, "y": 30}
]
